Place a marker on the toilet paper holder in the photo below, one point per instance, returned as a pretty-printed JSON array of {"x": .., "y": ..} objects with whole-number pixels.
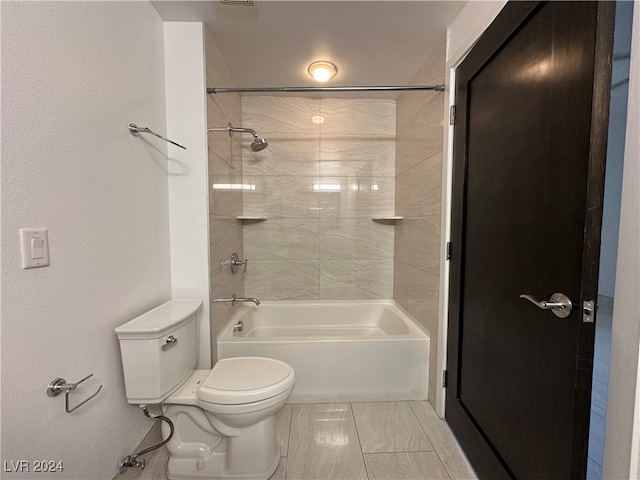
[{"x": 58, "y": 385}]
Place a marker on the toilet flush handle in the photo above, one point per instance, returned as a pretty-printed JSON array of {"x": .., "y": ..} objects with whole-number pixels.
[{"x": 169, "y": 342}]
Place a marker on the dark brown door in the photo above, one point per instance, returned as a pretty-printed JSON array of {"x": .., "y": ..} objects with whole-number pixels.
[{"x": 529, "y": 148}]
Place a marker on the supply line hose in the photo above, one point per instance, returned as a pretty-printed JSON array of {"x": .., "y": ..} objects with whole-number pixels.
[{"x": 132, "y": 460}]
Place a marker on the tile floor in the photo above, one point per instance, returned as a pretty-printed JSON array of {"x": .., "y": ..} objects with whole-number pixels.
[{"x": 358, "y": 441}]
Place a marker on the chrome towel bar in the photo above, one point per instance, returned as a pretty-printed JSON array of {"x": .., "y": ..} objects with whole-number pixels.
[{"x": 135, "y": 130}]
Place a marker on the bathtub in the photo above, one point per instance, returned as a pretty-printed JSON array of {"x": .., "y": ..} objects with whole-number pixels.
[{"x": 369, "y": 350}]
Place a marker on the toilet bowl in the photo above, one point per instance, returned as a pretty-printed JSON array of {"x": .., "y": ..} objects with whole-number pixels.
[{"x": 224, "y": 418}]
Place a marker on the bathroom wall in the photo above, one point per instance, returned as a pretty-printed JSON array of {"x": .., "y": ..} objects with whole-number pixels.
[
  {"x": 74, "y": 74},
  {"x": 418, "y": 177},
  {"x": 184, "y": 60},
  {"x": 328, "y": 170},
  {"x": 225, "y": 194}
]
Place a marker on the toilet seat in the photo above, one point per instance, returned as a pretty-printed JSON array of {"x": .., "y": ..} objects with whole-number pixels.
[{"x": 242, "y": 380}]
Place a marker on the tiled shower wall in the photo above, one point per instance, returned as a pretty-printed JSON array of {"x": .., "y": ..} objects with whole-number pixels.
[
  {"x": 418, "y": 200},
  {"x": 328, "y": 170},
  {"x": 225, "y": 202}
]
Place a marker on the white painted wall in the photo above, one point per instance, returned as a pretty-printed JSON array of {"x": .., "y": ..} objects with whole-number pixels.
[
  {"x": 623, "y": 419},
  {"x": 188, "y": 181},
  {"x": 74, "y": 74},
  {"x": 467, "y": 27}
]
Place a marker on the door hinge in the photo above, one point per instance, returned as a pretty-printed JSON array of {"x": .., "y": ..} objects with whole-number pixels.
[
  {"x": 445, "y": 379},
  {"x": 452, "y": 115},
  {"x": 448, "y": 250}
]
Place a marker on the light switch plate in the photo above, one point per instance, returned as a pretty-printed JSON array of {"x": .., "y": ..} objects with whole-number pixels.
[{"x": 35, "y": 247}]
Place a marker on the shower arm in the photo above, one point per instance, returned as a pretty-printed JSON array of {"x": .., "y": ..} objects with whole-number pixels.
[{"x": 230, "y": 128}]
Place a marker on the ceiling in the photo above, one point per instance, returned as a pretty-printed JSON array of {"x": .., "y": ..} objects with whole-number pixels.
[{"x": 271, "y": 43}]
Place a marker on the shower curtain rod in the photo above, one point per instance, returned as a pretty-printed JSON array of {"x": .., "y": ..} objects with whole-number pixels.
[{"x": 437, "y": 88}]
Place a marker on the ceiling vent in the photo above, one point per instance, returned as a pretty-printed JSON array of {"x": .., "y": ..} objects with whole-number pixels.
[{"x": 237, "y": 3}]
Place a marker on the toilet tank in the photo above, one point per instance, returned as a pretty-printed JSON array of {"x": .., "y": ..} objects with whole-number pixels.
[{"x": 159, "y": 350}]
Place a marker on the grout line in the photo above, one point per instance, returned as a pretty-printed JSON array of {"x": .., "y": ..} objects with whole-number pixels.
[
  {"x": 355, "y": 425},
  {"x": 424, "y": 430},
  {"x": 289, "y": 442},
  {"x": 402, "y": 452},
  {"x": 289, "y": 432},
  {"x": 436, "y": 449}
]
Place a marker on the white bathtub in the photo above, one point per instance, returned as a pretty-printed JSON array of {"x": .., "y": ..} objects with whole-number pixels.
[{"x": 369, "y": 350}]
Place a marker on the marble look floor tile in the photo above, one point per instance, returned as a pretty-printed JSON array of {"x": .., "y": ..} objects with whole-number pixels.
[
  {"x": 443, "y": 441},
  {"x": 389, "y": 427},
  {"x": 324, "y": 444},
  {"x": 283, "y": 425},
  {"x": 405, "y": 466}
]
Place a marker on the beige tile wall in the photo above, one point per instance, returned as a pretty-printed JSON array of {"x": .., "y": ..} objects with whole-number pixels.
[
  {"x": 319, "y": 184},
  {"x": 225, "y": 168},
  {"x": 418, "y": 198}
]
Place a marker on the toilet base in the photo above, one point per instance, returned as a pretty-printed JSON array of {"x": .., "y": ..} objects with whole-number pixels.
[
  {"x": 203, "y": 446},
  {"x": 187, "y": 469}
]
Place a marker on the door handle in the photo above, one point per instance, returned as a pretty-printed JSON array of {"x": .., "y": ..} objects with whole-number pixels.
[{"x": 559, "y": 304}]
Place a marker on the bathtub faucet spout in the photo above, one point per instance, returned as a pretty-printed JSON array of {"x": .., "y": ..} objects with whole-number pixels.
[
  {"x": 254, "y": 300},
  {"x": 235, "y": 299}
]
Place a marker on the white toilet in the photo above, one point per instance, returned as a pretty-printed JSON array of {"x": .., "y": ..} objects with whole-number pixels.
[{"x": 224, "y": 418}]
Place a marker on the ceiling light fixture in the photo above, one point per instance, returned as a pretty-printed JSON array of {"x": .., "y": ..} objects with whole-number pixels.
[{"x": 322, "y": 71}]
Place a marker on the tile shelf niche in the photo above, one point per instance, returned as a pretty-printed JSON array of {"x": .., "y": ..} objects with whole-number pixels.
[{"x": 250, "y": 218}]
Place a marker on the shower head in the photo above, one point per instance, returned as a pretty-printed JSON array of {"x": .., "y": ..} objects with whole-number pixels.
[{"x": 258, "y": 143}]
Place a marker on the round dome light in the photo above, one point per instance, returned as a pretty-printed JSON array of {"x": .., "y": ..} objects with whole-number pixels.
[{"x": 322, "y": 71}]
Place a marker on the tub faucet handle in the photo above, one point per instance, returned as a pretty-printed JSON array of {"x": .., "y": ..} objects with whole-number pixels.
[{"x": 235, "y": 262}]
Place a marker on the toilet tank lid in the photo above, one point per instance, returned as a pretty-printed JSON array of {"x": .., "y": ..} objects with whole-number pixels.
[{"x": 157, "y": 321}]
